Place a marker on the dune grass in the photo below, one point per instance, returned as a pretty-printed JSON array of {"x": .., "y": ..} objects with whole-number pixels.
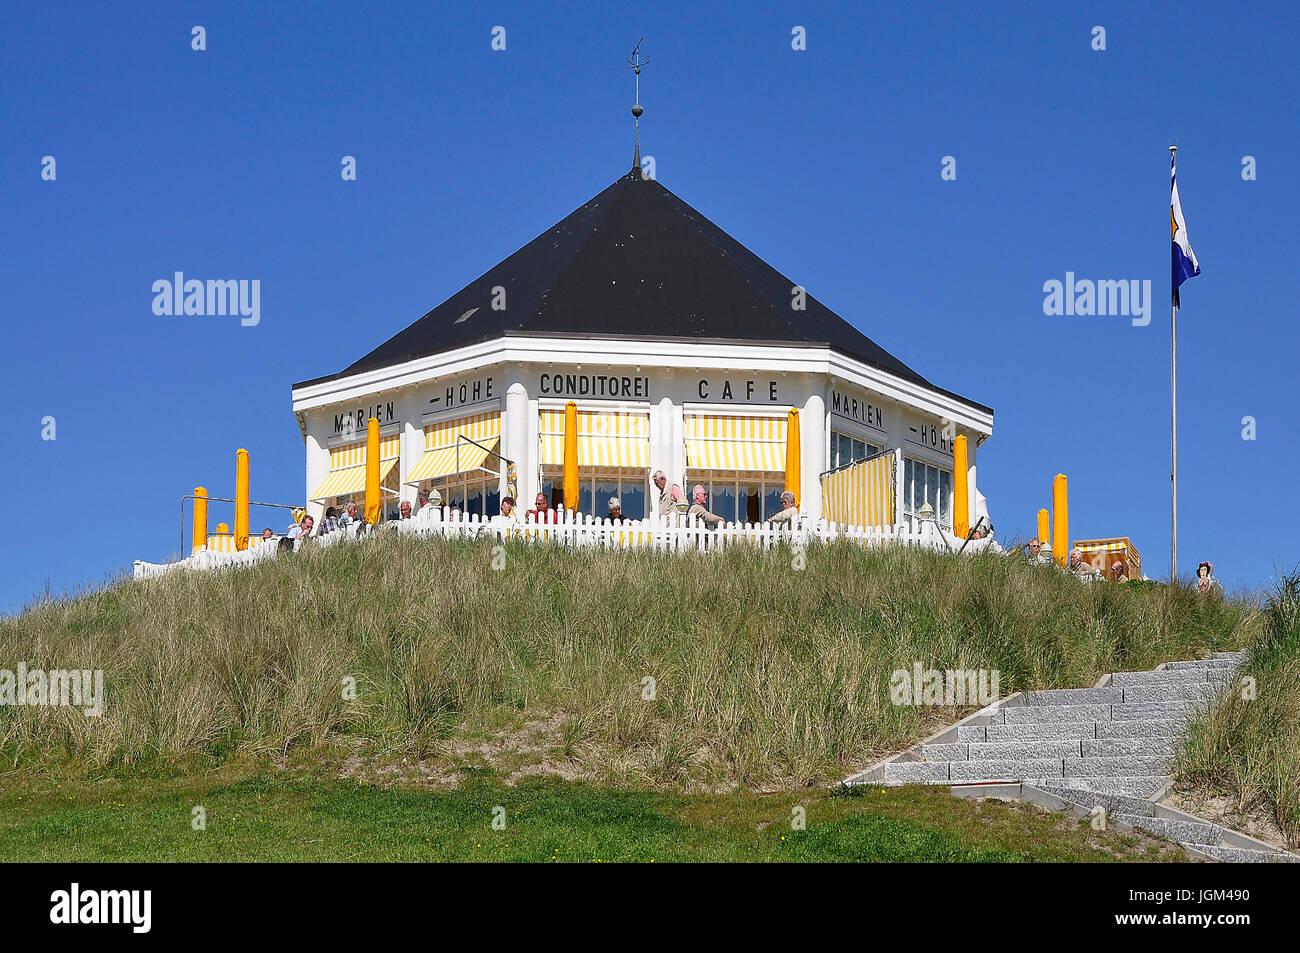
[
  {"x": 1248, "y": 745},
  {"x": 763, "y": 676}
]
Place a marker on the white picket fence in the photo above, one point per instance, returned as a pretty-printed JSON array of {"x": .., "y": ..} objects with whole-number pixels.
[{"x": 672, "y": 534}]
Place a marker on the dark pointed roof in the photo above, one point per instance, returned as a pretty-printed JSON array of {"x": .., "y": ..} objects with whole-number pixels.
[{"x": 634, "y": 262}]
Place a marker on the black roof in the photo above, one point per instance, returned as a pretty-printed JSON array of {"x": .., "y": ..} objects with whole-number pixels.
[{"x": 634, "y": 262}]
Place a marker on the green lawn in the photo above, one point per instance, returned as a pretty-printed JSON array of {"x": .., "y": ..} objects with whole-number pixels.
[{"x": 261, "y": 816}]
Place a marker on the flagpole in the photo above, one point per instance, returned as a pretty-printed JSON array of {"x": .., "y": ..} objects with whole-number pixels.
[{"x": 1173, "y": 348}]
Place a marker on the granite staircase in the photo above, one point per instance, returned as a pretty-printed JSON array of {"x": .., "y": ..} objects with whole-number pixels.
[{"x": 1106, "y": 747}]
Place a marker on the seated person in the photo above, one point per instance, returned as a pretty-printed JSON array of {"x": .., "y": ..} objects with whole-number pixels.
[
  {"x": 404, "y": 511},
  {"x": 1118, "y": 573},
  {"x": 508, "y": 513},
  {"x": 1080, "y": 566},
  {"x": 616, "y": 510},
  {"x": 542, "y": 512},
  {"x": 788, "y": 515},
  {"x": 699, "y": 509},
  {"x": 1034, "y": 551}
]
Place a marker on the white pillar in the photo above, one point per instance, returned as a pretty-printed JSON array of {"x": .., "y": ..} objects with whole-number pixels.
[
  {"x": 812, "y": 454},
  {"x": 514, "y": 443},
  {"x": 318, "y": 468},
  {"x": 412, "y": 450}
]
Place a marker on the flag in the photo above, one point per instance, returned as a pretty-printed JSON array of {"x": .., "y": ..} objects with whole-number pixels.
[{"x": 1185, "y": 264}]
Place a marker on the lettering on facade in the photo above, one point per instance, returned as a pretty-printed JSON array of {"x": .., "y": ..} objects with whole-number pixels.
[
  {"x": 458, "y": 395},
  {"x": 859, "y": 410},
  {"x": 355, "y": 421},
  {"x": 594, "y": 385},
  {"x": 931, "y": 436},
  {"x": 746, "y": 391}
]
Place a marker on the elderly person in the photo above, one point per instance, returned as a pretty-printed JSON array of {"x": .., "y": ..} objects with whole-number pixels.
[
  {"x": 350, "y": 515},
  {"x": 788, "y": 516},
  {"x": 542, "y": 512},
  {"x": 306, "y": 527},
  {"x": 616, "y": 510},
  {"x": 1117, "y": 572},
  {"x": 404, "y": 511},
  {"x": 700, "y": 510},
  {"x": 1079, "y": 566},
  {"x": 668, "y": 496},
  {"x": 1035, "y": 554}
]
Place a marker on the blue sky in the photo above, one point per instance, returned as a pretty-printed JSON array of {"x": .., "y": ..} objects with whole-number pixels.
[{"x": 825, "y": 162}]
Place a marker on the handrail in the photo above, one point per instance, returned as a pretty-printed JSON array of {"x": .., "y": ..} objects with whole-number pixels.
[{"x": 222, "y": 499}]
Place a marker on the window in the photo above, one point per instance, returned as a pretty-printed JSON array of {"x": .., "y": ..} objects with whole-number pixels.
[
  {"x": 475, "y": 492},
  {"x": 739, "y": 497},
  {"x": 846, "y": 449},
  {"x": 596, "y": 485},
  {"x": 923, "y": 483}
]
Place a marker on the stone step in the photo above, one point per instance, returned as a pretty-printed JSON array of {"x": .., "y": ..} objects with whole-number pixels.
[
  {"x": 917, "y": 772},
  {"x": 1117, "y": 747},
  {"x": 1177, "y": 676},
  {"x": 1185, "y": 832},
  {"x": 1244, "y": 855},
  {"x": 1145, "y": 694},
  {"x": 1136, "y": 787},
  {"x": 1215, "y": 664},
  {"x": 1075, "y": 696},
  {"x": 1039, "y": 714},
  {"x": 1156, "y": 711},
  {"x": 945, "y": 752},
  {"x": 1113, "y": 803},
  {"x": 968, "y": 772},
  {"x": 1123, "y": 766},
  {"x": 1238, "y": 656},
  {"x": 1048, "y": 731},
  {"x": 1158, "y": 728},
  {"x": 1040, "y": 749}
]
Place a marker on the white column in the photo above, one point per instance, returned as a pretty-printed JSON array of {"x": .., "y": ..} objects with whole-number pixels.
[
  {"x": 514, "y": 443},
  {"x": 318, "y": 468},
  {"x": 412, "y": 450},
  {"x": 812, "y": 454}
]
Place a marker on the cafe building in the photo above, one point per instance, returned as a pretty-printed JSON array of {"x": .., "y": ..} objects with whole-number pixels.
[{"x": 682, "y": 351}]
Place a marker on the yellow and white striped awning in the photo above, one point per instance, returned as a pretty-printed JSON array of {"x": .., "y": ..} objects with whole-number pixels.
[
  {"x": 605, "y": 438},
  {"x": 861, "y": 494},
  {"x": 440, "y": 440},
  {"x": 348, "y": 467},
  {"x": 725, "y": 442}
]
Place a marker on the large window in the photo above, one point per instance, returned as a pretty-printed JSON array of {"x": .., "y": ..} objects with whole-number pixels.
[
  {"x": 924, "y": 483},
  {"x": 476, "y": 492},
  {"x": 739, "y": 497},
  {"x": 846, "y": 449},
  {"x": 596, "y": 486}
]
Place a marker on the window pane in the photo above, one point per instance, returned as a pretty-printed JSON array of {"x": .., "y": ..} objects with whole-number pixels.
[
  {"x": 772, "y": 499},
  {"x": 473, "y": 498},
  {"x": 723, "y": 501},
  {"x": 633, "y": 497},
  {"x": 945, "y": 497},
  {"x": 750, "y": 503},
  {"x": 605, "y": 490}
]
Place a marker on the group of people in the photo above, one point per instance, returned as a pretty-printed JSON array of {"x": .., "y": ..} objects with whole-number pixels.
[{"x": 1078, "y": 566}]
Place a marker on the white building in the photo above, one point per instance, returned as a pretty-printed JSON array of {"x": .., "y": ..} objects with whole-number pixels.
[{"x": 683, "y": 352}]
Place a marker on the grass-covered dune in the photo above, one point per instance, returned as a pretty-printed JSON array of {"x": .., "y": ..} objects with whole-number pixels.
[{"x": 764, "y": 676}]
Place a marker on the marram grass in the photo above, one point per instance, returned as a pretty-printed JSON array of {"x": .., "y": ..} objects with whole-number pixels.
[{"x": 763, "y": 676}]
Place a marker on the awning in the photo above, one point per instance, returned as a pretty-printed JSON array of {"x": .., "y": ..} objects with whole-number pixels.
[
  {"x": 605, "y": 439},
  {"x": 348, "y": 467},
  {"x": 440, "y": 440},
  {"x": 725, "y": 442}
]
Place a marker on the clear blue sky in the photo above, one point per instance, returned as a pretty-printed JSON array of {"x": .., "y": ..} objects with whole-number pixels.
[{"x": 225, "y": 163}]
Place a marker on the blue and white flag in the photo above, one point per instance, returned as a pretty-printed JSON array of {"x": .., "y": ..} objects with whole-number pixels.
[{"x": 1185, "y": 264}]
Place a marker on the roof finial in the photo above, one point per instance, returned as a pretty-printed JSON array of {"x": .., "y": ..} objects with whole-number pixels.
[{"x": 634, "y": 63}]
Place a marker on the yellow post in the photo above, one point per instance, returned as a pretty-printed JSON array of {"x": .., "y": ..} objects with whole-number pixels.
[
  {"x": 571, "y": 456},
  {"x": 372, "y": 471},
  {"x": 241, "y": 499},
  {"x": 1044, "y": 534},
  {"x": 792, "y": 462},
  {"x": 960, "y": 490},
  {"x": 1060, "y": 521},
  {"x": 199, "y": 536}
]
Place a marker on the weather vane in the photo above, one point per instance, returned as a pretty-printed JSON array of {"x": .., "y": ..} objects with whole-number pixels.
[{"x": 634, "y": 63}]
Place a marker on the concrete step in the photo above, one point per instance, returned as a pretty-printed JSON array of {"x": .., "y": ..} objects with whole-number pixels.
[
  {"x": 1075, "y": 696},
  {"x": 1244, "y": 855},
  {"x": 916, "y": 772},
  {"x": 1185, "y": 832},
  {"x": 1049, "y": 731},
  {"x": 1159, "y": 728},
  {"x": 1136, "y": 787},
  {"x": 945, "y": 752},
  {"x": 1169, "y": 676},
  {"x": 1117, "y": 747},
  {"x": 1123, "y": 766},
  {"x": 969, "y": 772},
  {"x": 1235, "y": 656},
  {"x": 1145, "y": 694},
  {"x": 1113, "y": 803}
]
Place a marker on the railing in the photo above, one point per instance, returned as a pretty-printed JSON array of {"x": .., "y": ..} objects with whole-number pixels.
[{"x": 670, "y": 534}]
